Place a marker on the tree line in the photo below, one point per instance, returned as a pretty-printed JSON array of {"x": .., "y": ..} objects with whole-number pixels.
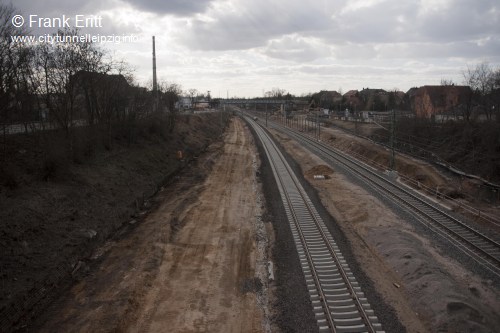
[{"x": 66, "y": 84}]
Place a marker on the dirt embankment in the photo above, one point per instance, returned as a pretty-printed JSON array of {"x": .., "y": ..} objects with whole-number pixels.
[
  {"x": 49, "y": 228},
  {"x": 429, "y": 289},
  {"x": 380, "y": 156},
  {"x": 453, "y": 190},
  {"x": 421, "y": 173},
  {"x": 196, "y": 263}
]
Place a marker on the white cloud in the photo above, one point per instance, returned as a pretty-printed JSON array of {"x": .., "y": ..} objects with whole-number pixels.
[
  {"x": 355, "y": 5},
  {"x": 246, "y": 46},
  {"x": 252, "y": 23},
  {"x": 171, "y": 7},
  {"x": 297, "y": 48}
]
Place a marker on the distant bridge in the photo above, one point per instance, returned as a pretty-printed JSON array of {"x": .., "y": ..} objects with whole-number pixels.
[{"x": 256, "y": 101}]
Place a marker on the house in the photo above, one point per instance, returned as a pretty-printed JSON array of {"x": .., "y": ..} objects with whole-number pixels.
[
  {"x": 327, "y": 99},
  {"x": 201, "y": 105},
  {"x": 184, "y": 102},
  {"x": 352, "y": 100},
  {"x": 102, "y": 96},
  {"x": 428, "y": 101}
]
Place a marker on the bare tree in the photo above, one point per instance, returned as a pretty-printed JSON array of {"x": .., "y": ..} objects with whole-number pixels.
[
  {"x": 447, "y": 82},
  {"x": 7, "y": 67},
  {"x": 466, "y": 107},
  {"x": 140, "y": 103},
  {"x": 26, "y": 87},
  {"x": 481, "y": 79},
  {"x": 192, "y": 93},
  {"x": 87, "y": 84},
  {"x": 58, "y": 63},
  {"x": 494, "y": 96},
  {"x": 275, "y": 93},
  {"x": 495, "y": 79},
  {"x": 68, "y": 93},
  {"x": 169, "y": 95},
  {"x": 14, "y": 70},
  {"x": 395, "y": 99}
]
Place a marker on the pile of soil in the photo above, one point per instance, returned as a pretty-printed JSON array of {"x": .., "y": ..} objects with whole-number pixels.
[
  {"x": 322, "y": 169},
  {"x": 49, "y": 228}
]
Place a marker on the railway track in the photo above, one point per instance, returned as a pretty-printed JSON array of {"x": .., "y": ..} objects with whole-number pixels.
[
  {"x": 481, "y": 248},
  {"x": 338, "y": 302}
]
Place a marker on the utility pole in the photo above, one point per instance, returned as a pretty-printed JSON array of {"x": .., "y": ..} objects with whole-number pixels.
[
  {"x": 155, "y": 85},
  {"x": 266, "y": 113},
  {"x": 393, "y": 125},
  {"x": 355, "y": 120},
  {"x": 317, "y": 125},
  {"x": 319, "y": 129}
]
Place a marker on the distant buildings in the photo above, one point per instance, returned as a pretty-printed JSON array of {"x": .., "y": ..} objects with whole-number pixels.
[
  {"x": 195, "y": 103},
  {"x": 184, "y": 103},
  {"x": 101, "y": 97},
  {"x": 441, "y": 103},
  {"x": 428, "y": 101},
  {"x": 201, "y": 105}
]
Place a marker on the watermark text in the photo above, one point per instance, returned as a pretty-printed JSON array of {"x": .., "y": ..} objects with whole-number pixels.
[
  {"x": 60, "y": 22},
  {"x": 64, "y": 22},
  {"x": 68, "y": 39}
]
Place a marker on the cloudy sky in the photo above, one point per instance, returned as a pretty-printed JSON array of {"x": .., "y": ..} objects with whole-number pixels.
[{"x": 245, "y": 47}]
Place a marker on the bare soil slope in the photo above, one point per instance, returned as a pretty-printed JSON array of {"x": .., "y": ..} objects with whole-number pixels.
[
  {"x": 429, "y": 289},
  {"x": 49, "y": 228},
  {"x": 451, "y": 149},
  {"x": 197, "y": 263},
  {"x": 417, "y": 173}
]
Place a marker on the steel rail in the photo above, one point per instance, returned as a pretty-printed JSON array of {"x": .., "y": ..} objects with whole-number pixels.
[
  {"x": 300, "y": 211},
  {"x": 478, "y": 246}
]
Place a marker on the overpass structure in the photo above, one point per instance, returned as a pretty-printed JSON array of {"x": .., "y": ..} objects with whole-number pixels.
[
  {"x": 261, "y": 104},
  {"x": 256, "y": 101}
]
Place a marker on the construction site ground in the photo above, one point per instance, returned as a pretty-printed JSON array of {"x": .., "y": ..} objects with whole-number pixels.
[
  {"x": 195, "y": 263},
  {"x": 197, "y": 260},
  {"x": 430, "y": 291}
]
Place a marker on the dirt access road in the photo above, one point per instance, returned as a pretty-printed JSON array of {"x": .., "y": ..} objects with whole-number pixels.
[{"x": 195, "y": 263}]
